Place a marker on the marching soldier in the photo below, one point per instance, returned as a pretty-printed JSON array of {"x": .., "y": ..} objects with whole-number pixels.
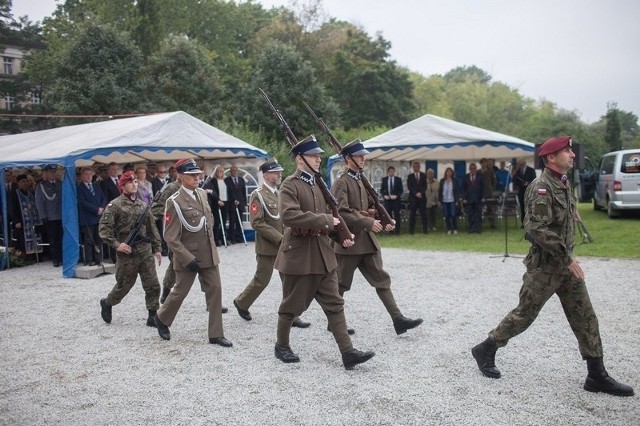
[
  {"x": 552, "y": 268},
  {"x": 305, "y": 257},
  {"x": 116, "y": 223},
  {"x": 353, "y": 205},
  {"x": 188, "y": 232},
  {"x": 266, "y": 221}
]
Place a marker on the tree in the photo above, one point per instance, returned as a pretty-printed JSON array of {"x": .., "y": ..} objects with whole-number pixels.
[
  {"x": 96, "y": 73},
  {"x": 181, "y": 76},
  {"x": 613, "y": 130}
]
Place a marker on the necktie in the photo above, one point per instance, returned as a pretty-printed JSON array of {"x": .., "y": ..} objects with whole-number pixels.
[
  {"x": 473, "y": 178},
  {"x": 390, "y": 185},
  {"x": 235, "y": 180},
  {"x": 417, "y": 177},
  {"x": 91, "y": 189}
]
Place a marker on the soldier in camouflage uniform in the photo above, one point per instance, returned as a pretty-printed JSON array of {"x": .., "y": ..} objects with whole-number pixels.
[
  {"x": 116, "y": 223},
  {"x": 157, "y": 210},
  {"x": 550, "y": 214}
]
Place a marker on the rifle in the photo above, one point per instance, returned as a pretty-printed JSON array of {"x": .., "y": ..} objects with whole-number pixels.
[
  {"x": 343, "y": 230},
  {"x": 385, "y": 218},
  {"x": 133, "y": 236}
]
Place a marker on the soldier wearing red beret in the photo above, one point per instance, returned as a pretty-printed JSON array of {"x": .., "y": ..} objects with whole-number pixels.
[{"x": 552, "y": 268}]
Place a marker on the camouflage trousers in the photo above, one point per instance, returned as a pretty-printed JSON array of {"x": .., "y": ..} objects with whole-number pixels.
[
  {"x": 538, "y": 286},
  {"x": 127, "y": 269}
]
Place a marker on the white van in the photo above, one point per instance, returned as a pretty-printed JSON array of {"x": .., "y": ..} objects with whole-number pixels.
[{"x": 618, "y": 182}]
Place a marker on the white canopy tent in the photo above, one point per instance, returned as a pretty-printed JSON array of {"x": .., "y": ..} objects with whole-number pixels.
[
  {"x": 439, "y": 139},
  {"x": 157, "y": 137}
]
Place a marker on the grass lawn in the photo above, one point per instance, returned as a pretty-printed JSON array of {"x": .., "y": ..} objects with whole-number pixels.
[{"x": 616, "y": 238}]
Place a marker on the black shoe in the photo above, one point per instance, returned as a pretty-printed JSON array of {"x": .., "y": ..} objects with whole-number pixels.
[
  {"x": 222, "y": 341},
  {"x": 354, "y": 357},
  {"x": 165, "y": 294},
  {"x": 485, "y": 355},
  {"x": 598, "y": 380},
  {"x": 151, "y": 322},
  {"x": 105, "y": 311},
  {"x": 243, "y": 314},
  {"x": 163, "y": 330},
  {"x": 402, "y": 324},
  {"x": 56, "y": 264},
  {"x": 350, "y": 331},
  {"x": 285, "y": 354},
  {"x": 224, "y": 309},
  {"x": 299, "y": 323}
]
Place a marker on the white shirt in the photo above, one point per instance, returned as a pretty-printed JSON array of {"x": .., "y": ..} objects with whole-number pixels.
[{"x": 222, "y": 190}]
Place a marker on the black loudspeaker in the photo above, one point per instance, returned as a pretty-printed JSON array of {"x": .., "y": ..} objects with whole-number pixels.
[{"x": 578, "y": 162}]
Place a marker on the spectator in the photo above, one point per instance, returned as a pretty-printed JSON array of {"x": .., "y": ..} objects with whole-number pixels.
[
  {"x": 391, "y": 190},
  {"x": 432, "y": 199},
  {"x": 448, "y": 195},
  {"x": 473, "y": 192},
  {"x": 417, "y": 187},
  {"x": 145, "y": 190},
  {"x": 91, "y": 204}
]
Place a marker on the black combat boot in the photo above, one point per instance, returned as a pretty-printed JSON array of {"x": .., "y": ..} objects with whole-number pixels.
[
  {"x": 165, "y": 294},
  {"x": 485, "y": 355},
  {"x": 285, "y": 354},
  {"x": 151, "y": 321},
  {"x": 105, "y": 311},
  {"x": 599, "y": 381},
  {"x": 354, "y": 357},
  {"x": 402, "y": 324}
]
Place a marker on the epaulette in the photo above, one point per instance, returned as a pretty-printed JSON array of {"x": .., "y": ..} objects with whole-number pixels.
[{"x": 174, "y": 195}]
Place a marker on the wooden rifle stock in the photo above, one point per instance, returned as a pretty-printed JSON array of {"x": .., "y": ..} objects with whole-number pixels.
[
  {"x": 385, "y": 218},
  {"x": 343, "y": 230}
]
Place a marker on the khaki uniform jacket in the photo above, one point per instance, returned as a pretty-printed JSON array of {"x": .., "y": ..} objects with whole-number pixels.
[
  {"x": 266, "y": 221},
  {"x": 302, "y": 205},
  {"x": 352, "y": 200},
  {"x": 184, "y": 244}
]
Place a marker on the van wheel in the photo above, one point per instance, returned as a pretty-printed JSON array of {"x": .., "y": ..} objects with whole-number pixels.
[{"x": 611, "y": 212}]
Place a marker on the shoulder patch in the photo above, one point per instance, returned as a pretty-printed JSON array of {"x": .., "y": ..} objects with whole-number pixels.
[
  {"x": 254, "y": 208},
  {"x": 542, "y": 191},
  {"x": 167, "y": 218}
]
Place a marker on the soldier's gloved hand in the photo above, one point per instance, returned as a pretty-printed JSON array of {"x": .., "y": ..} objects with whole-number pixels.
[{"x": 193, "y": 265}]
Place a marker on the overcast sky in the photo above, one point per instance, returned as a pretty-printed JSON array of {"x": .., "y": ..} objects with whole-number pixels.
[{"x": 579, "y": 54}]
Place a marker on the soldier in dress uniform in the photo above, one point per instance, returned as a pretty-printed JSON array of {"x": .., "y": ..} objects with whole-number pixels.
[
  {"x": 138, "y": 258},
  {"x": 356, "y": 208},
  {"x": 188, "y": 232},
  {"x": 49, "y": 205},
  {"x": 266, "y": 221},
  {"x": 305, "y": 257},
  {"x": 552, "y": 268}
]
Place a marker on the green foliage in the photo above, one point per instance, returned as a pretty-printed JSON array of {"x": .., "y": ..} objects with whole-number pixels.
[{"x": 613, "y": 129}]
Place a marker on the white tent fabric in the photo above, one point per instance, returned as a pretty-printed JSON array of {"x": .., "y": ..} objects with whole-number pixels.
[
  {"x": 157, "y": 137},
  {"x": 435, "y": 138}
]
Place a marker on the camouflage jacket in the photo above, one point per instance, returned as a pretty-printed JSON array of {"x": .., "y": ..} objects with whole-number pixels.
[
  {"x": 550, "y": 211},
  {"x": 119, "y": 217},
  {"x": 158, "y": 206}
]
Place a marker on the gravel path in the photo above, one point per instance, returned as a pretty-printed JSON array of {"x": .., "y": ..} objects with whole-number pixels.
[{"x": 61, "y": 364}]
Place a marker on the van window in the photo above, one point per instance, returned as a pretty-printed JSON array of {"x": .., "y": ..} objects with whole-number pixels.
[
  {"x": 606, "y": 168},
  {"x": 630, "y": 163}
]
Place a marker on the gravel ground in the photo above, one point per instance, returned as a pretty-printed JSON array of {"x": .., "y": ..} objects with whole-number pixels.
[{"x": 61, "y": 364}]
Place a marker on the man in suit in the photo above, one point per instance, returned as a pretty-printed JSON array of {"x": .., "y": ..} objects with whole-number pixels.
[
  {"x": 473, "y": 195},
  {"x": 267, "y": 223},
  {"x": 354, "y": 205},
  {"x": 305, "y": 257},
  {"x": 522, "y": 175},
  {"x": 237, "y": 200},
  {"x": 109, "y": 186},
  {"x": 91, "y": 204},
  {"x": 49, "y": 205},
  {"x": 417, "y": 187},
  {"x": 391, "y": 190},
  {"x": 189, "y": 235}
]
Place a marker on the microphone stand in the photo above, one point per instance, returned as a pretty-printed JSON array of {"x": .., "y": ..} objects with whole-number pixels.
[{"x": 504, "y": 219}]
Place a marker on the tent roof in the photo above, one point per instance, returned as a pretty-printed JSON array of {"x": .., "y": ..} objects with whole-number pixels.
[
  {"x": 157, "y": 137},
  {"x": 435, "y": 138}
]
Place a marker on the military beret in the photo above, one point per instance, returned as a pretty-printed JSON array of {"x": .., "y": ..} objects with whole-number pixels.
[
  {"x": 271, "y": 165},
  {"x": 50, "y": 167},
  {"x": 187, "y": 166},
  {"x": 307, "y": 146},
  {"x": 354, "y": 147},
  {"x": 126, "y": 177},
  {"x": 554, "y": 145}
]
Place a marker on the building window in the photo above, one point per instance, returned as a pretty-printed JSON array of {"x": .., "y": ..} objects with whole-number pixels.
[
  {"x": 9, "y": 102},
  {"x": 8, "y": 65}
]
